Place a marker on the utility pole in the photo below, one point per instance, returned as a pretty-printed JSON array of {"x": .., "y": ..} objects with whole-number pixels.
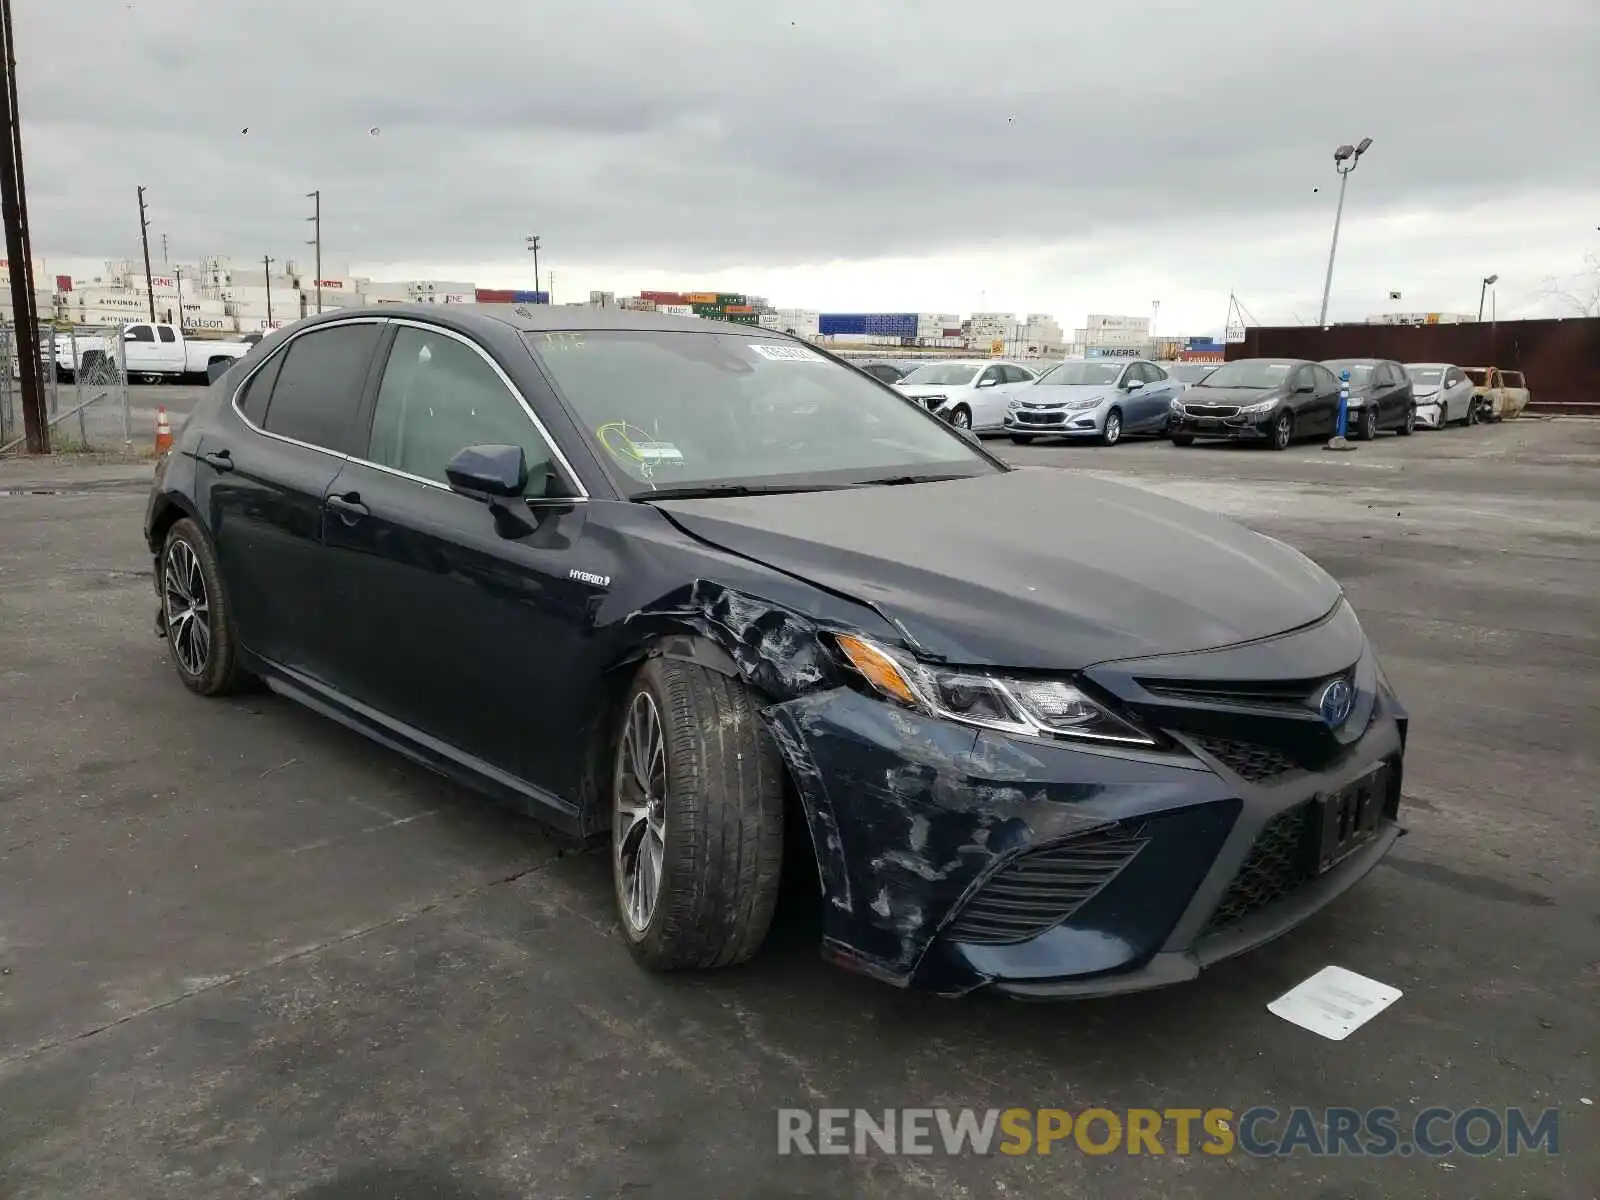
[
  {"x": 316, "y": 238},
  {"x": 163, "y": 249},
  {"x": 1341, "y": 156},
  {"x": 177, "y": 275},
  {"x": 1488, "y": 282},
  {"x": 266, "y": 266},
  {"x": 144, "y": 240},
  {"x": 533, "y": 245},
  {"x": 19, "y": 250}
]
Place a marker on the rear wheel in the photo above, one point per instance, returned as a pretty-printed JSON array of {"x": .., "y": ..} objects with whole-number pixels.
[
  {"x": 1112, "y": 433},
  {"x": 697, "y": 819},
  {"x": 1474, "y": 415},
  {"x": 1182, "y": 440},
  {"x": 195, "y": 614},
  {"x": 1283, "y": 431}
]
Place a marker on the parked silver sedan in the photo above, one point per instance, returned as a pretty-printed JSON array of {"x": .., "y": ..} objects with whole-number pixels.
[
  {"x": 1100, "y": 398},
  {"x": 1443, "y": 393}
]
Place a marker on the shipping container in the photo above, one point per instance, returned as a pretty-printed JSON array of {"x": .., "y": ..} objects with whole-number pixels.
[
  {"x": 700, "y": 298},
  {"x": 209, "y": 324},
  {"x": 731, "y": 299},
  {"x": 495, "y": 296},
  {"x": 676, "y": 310},
  {"x": 746, "y": 318},
  {"x": 521, "y": 297},
  {"x": 665, "y": 297},
  {"x": 737, "y": 308}
]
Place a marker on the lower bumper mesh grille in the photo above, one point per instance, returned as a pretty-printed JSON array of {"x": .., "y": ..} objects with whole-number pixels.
[
  {"x": 1277, "y": 865},
  {"x": 1248, "y": 760},
  {"x": 1042, "y": 888}
]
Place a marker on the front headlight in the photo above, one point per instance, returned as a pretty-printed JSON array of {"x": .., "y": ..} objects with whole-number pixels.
[
  {"x": 1036, "y": 707},
  {"x": 1081, "y": 405},
  {"x": 1258, "y": 410},
  {"x": 1175, "y": 406}
]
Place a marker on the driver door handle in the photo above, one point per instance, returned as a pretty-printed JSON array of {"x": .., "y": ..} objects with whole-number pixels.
[
  {"x": 218, "y": 460},
  {"x": 349, "y": 507}
]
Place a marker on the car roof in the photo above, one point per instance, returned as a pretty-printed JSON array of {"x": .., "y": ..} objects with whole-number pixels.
[
  {"x": 1441, "y": 365},
  {"x": 1365, "y": 361},
  {"x": 1267, "y": 358},
  {"x": 538, "y": 318}
]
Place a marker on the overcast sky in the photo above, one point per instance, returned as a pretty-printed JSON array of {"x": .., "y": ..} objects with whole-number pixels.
[{"x": 1015, "y": 155}]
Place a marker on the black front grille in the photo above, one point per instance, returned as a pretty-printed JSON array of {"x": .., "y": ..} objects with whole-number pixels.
[
  {"x": 1248, "y": 760},
  {"x": 1277, "y": 864},
  {"x": 1042, "y": 888},
  {"x": 1040, "y": 418},
  {"x": 1211, "y": 410},
  {"x": 1285, "y": 693}
]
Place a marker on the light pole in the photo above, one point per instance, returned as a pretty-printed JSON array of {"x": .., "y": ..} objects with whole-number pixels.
[
  {"x": 533, "y": 245},
  {"x": 1345, "y": 159},
  {"x": 316, "y": 239},
  {"x": 1488, "y": 282},
  {"x": 266, "y": 268}
]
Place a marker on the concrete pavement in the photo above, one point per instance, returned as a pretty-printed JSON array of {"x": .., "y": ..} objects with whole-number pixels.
[{"x": 243, "y": 952}]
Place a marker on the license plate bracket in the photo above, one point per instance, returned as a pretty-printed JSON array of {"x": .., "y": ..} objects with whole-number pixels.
[
  {"x": 1349, "y": 817},
  {"x": 1209, "y": 422}
]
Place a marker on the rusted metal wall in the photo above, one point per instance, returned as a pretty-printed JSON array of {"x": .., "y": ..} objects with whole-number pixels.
[{"x": 1561, "y": 359}]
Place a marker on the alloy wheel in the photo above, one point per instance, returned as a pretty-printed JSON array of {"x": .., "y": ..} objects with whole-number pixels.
[
  {"x": 639, "y": 813},
  {"x": 1282, "y": 431},
  {"x": 1113, "y": 429},
  {"x": 186, "y": 608},
  {"x": 1369, "y": 425},
  {"x": 961, "y": 419}
]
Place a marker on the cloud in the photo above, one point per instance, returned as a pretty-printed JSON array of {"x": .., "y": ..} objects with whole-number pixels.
[{"x": 699, "y": 137}]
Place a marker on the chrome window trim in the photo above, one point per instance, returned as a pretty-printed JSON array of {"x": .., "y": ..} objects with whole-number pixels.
[{"x": 505, "y": 380}]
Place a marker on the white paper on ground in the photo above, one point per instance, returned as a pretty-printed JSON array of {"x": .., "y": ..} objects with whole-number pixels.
[{"x": 1334, "y": 1002}]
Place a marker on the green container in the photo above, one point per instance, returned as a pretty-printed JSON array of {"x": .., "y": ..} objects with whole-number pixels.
[
  {"x": 730, "y": 298},
  {"x": 708, "y": 310},
  {"x": 744, "y": 318}
]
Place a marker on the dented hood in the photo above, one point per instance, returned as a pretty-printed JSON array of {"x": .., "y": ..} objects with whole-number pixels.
[{"x": 1032, "y": 568}]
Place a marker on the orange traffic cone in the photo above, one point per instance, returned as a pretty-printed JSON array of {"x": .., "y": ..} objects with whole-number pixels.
[{"x": 163, "y": 431}]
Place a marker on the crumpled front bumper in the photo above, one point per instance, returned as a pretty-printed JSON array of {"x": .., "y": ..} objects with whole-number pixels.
[{"x": 919, "y": 824}]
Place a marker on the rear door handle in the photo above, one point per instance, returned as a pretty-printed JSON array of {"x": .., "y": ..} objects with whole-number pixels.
[
  {"x": 219, "y": 460},
  {"x": 349, "y": 507}
]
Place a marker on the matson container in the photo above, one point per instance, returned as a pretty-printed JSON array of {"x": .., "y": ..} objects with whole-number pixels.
[
  {"x": 209, "y": 324},
  {"x": 676, "y": 310}
]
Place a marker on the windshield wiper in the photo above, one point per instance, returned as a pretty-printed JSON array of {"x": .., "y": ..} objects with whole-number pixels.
[
  {"x": 899, "y": 480},
  {"x": 700, "y": 491}
]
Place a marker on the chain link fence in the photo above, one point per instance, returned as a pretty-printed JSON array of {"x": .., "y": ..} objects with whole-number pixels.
[{"x": 85, "y": 389}]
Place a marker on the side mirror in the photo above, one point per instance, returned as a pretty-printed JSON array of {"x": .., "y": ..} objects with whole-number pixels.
[
  {"x": 983, "y": 383},
  {"x": 490, "y": 473},
  {"x": 1133, "y": 385},
  {"x": 130, "y": 336}
]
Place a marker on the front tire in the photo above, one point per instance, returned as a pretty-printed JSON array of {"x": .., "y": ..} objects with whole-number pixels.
[
  {"x": 697, "y": 819},
  {"x": 1111, "y": 434},
  {"x": 1474, "y": 413},
  {"x": 961, "y": 417},
  {"x": 196, "y": 615},
  {"x": 1282, "y": 431},
  {"x": 1368, "y": 428},
  {"x": 1182, "y": 440}
]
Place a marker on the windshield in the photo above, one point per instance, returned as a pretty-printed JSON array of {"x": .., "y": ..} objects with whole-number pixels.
[
  {"x": 1081, "y": 374},
  {"x": 1360, "y": 372},
  {"x": 1425, "y": 376},
  {"x": 1191, "y": 372},
  {"x": 1248, "y": 373},
  {"x": 944, "y": 374},
  {"x": 681, "y": 411}
]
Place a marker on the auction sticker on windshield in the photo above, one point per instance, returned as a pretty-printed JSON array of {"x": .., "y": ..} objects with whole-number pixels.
[{"x": 785, "y": 353}]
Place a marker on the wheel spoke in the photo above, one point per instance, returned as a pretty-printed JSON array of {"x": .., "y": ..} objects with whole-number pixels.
[{"x": 637, "y": 813}]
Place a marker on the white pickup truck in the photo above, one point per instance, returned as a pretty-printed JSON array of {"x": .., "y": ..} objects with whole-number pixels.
[{"x": 152, "y": 350}]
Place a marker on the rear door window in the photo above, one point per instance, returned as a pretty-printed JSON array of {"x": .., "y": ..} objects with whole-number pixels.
[
  {"x": 318, "y": 389},
  {"x": 140, "y": 333},
  {"x": 165, "y": 331}
]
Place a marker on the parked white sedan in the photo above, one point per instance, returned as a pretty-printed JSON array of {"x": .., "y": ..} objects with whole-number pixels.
[
  {"x": 969, "y": 393},
  {"x": 1443, "y": 393}
]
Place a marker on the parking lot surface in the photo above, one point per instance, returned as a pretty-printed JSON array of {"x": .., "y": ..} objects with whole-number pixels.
[{"x": 244, "y": 952}]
